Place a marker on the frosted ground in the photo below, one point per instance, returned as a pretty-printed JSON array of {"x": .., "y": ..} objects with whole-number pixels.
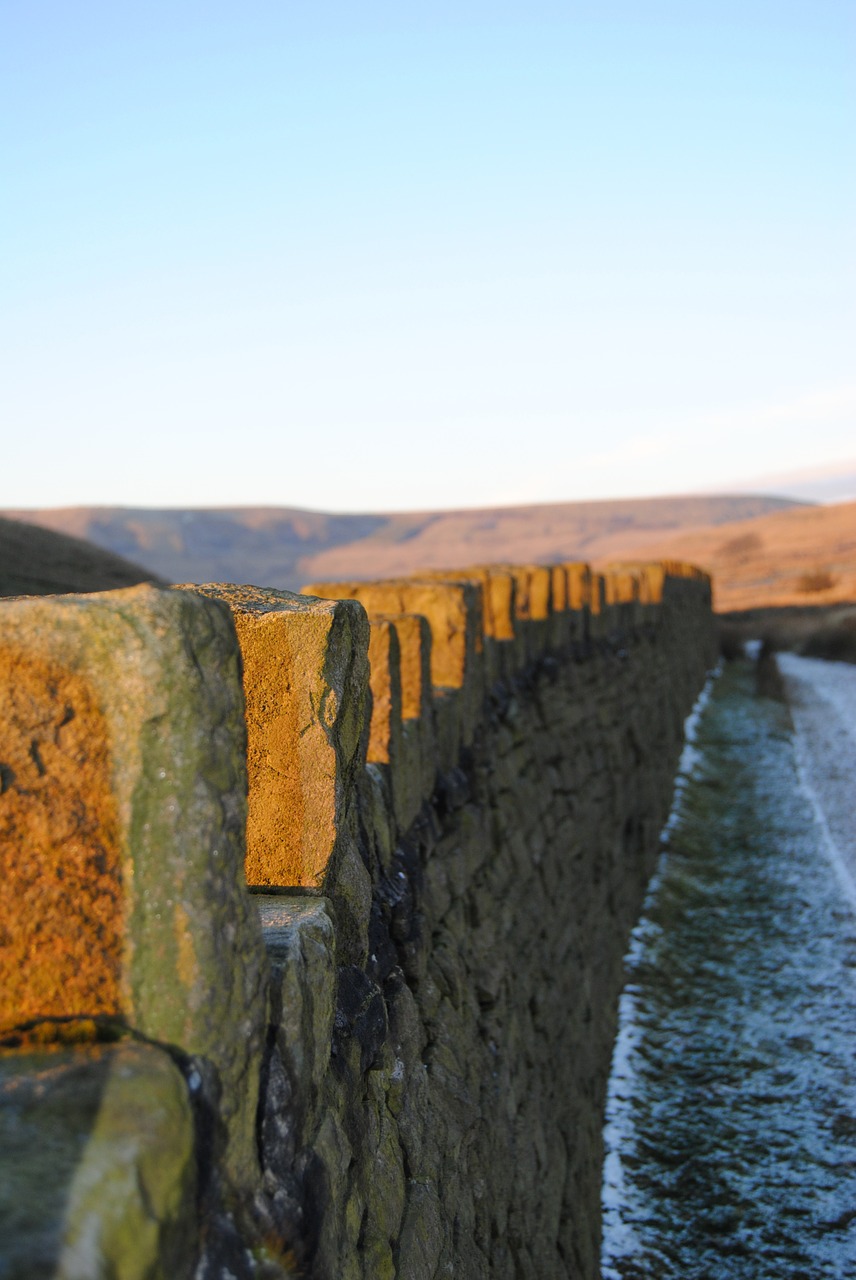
[{"x": 731, "y": 1118}]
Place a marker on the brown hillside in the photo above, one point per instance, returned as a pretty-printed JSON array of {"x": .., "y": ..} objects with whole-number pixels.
[
  {"x": 761, "y": 551},
  {"x": 804, "y": 556},
  {"x": 282, "y": 547},
  {"x": 40, "y": 562}
]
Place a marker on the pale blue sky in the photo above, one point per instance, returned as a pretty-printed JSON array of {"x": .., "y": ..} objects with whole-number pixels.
[{"x": 387, "y": 255}]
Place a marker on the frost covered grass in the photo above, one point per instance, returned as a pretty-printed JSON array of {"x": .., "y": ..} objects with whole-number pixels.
[{"x": 730, "y": 1136}]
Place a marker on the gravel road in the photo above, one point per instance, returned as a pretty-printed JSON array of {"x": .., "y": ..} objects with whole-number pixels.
[{"x": 822, "y": 696}]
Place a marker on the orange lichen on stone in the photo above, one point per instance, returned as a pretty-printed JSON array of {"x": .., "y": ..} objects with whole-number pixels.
[
  {"x": 62, "y": 920},
  {"x": 122, "y": 819}
]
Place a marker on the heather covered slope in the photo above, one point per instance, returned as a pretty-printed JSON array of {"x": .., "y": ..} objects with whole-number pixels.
[
  {"x": 761, "y": 551},
  {"x": 284, "y": 547},
  {"x": 40, "y": 562},
  {"x": 804, "y": 556}
]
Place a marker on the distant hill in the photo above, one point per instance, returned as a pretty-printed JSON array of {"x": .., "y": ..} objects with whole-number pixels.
[
  {"x": 802, "y": 556},
  {"x": 39, "y": 562},
  {"x": 285, "y": 547}
]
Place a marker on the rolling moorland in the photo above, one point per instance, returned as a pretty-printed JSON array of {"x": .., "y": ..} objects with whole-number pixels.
[{"x": 763, "y": 552}]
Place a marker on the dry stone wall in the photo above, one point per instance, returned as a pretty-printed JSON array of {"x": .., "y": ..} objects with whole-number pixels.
[{"x": 389, "y": 1058}]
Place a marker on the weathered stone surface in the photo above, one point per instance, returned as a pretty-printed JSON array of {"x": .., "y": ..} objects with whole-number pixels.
[
  {"x": 458, "y": 1128},
  {"x": 415, "y": 765},
  {"x": 305, "y": 681},
  {"x": 151, "y": 796},
  {"x": 301, "y": 944},
  {"x": 453, "y": 611},
  {"x": 385, "y": 679},
  {"x": 499, "y": 602},
  {"x": 650, "y": 578},
  {"x": 533, "y": 613},
  {"x": 62, "y": 918},
  {"x": 441, "y": 1021},
  {"x": 414, "y": 642},
  {"x": 621, "y": 585},
  {"x": 498, "y": 587},
  {"x": 559, "y": 587},
  {"x": 98, "y": 1175}
]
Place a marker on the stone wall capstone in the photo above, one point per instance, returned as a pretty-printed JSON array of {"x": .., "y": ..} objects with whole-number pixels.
[{"x": 388, "y": 1057}]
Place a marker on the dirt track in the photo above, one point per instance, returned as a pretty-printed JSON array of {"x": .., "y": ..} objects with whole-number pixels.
[{"x": 822, "y": 697}]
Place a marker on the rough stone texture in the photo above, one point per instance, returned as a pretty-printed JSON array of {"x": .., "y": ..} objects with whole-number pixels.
[
  {"x": 498, "y": 596},
  {"x": 63, "y": 910},
  {"x": 453, "y": 610},
  {"x": 98, "y": 1175},
  {"x": 414, "y": 639},
  {"x": 132, "y": 703},
  {"x": 305, "y": 673},
  {"x": 385, "y": 667},
  {"x": 411, "y": 771},
  {"x": 401, "y": 752},
  {"x": 439, "y": 1024},
  {"x": 498, "y": 588},
  {"x": 457, "y": 1127}
]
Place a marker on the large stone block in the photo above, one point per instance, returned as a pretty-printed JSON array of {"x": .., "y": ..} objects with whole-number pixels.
[
  {"x": 300, "y": 940},
  {"x": 579, "y": 584},
  {"x": 499, "y": 603},
  {"x": 650, "y": 577},
  {"x": 416, "y": 765},
  {"x": 454, "y": 613},
  {"x": 622, "y": 594},
  {"x": 578, "y": 578},
  {"x": 385, "y": 679},
  {"x": 498, "y": 595},
  {"x": 98, "y": 1176},
  {"x": 453, "y": 610},
  {"x": 305, "y": 681},
  {"x": 597, "y": 605},
  {"x": 122, "y": 816},
  {"x": 397, "y": 746},
  {"x": 533, "y": 609}
]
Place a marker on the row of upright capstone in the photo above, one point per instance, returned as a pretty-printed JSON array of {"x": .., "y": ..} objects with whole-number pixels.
[
  {"x": 440, "y": 641},
  {"x": 162, "y": 749}
]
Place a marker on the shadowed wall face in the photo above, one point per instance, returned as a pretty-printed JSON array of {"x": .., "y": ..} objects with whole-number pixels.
[{"x": 456, "y": 1128}]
